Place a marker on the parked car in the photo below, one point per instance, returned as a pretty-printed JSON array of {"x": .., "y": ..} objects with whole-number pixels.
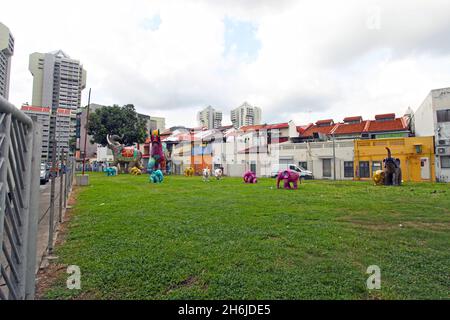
[
  {"x": 45, "y": 173},
  {"x": 304, "y": 174}
]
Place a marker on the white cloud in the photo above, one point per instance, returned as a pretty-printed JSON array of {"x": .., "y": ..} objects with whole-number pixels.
[{"x": 317, "y": 59}]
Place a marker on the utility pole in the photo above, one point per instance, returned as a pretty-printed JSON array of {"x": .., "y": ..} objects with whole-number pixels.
[
  {"x": 334, "y": 158},
  {"x": 85, "y": 130},
  {"x": 52, "y": 186},
  {"x": 61, "y": 177}
]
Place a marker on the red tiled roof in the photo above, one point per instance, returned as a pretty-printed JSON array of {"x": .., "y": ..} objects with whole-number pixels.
[
  {"x": 349, "y": 128},
  {"x": 265, "y": 126},
  {"x": 356, "y": 118},
  {"x": 319, "y": 129},
  {"x": 385, "y": 116},
  {"x": 326, "y": 121},
  {"x": 398, "y": 124},
  {"x": 301, "y": 129},
  {"x": 166, "y": 132}
]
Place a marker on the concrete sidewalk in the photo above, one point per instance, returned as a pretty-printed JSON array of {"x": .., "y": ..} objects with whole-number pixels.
[{"x": 44, "y": 219}]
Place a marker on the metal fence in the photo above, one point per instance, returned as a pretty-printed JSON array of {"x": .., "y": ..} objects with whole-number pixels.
[
  {"x": 20, "y": 156},
  {"x": 52, "y": 214}
]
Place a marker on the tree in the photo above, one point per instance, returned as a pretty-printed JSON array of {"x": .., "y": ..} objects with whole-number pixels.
[{"x": 117, "y": 120}]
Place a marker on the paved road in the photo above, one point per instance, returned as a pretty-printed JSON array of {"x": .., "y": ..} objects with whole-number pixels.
[{"x": 44, "y": 218}]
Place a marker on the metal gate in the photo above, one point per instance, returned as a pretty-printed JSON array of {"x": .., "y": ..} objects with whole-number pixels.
[{"x": 20, "y": 155}]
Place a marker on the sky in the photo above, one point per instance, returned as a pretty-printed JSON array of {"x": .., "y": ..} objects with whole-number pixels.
[{"x": 297, "y": 60}]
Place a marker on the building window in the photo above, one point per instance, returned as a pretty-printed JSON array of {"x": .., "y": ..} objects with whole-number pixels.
[
  {"x": 376, "y": 165},
  {"x": 443, "y": 115},
  {"x": 253, "y": 167},
  {"x": 445, "y": 162},
  {"x": 348, "y": 169},
  {"x": 303, "y": 164},
  {"x": 326, "y": 168},
  {"x": 364, "y": 169}
]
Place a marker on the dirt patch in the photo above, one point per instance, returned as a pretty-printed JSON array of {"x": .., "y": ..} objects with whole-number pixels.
[
  {"x": 186, "y": 283},
  {"x": 47, "y": 277},
  {"x": 381, "y": 226},
  {"x": 435, "y": 226},
  {"x": 370, "y": 225}
]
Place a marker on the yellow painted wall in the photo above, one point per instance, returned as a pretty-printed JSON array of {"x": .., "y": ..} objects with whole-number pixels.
[{"x": 402, "y": 148}]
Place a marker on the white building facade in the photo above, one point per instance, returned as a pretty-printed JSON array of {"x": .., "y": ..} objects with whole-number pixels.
[
  {"x": 6, "y": 52},
  {"x": 209, "y": 118},
  {"x": 245, "y": 115},
  {"x": 323, "y": 158},
  {"x": 432, "y": 118}
]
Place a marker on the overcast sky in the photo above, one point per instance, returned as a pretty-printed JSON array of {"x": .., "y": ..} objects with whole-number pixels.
[{"x": 297, "y": 60}]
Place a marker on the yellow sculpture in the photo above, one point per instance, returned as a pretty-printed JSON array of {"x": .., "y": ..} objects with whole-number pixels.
[
  {"x": 189, "y": 172},
  {"x": 135, "y": 171},
  {"x": 378, "y": 178}
]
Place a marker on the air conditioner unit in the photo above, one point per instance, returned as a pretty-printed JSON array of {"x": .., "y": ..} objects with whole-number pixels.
[
  {"x": 443, "y": 151},
  {"x": 444, "y": 142}
]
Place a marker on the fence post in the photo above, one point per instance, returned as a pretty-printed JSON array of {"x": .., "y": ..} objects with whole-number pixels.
[
  {"x": 52, "y": 196},
  {"x": 5, "y": 140},
  {"x": 61, "y": 177},
  {"x": 30, "y": 280},
  {"x": 65, "y": 180},
  {"x": 19, "y": 176}
]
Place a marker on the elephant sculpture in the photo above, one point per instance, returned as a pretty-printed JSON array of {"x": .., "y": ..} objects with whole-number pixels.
[
  {"x": 378, "y": 178},
  {"x": 135, "y": 171},
  {"x": 111, "y": 171},
  {"x": 250, "y": 177},
  {"x": 206, "y": 174},
  {"x": 157, "y": 159},
  {"x": 189, "y": 172},
  {"x": 392, "y": 170},
  {"x": 124, "y": 156},
  {"x": 156, "y": 176},
  {"x": 288, "y": 176},
  {"x": 218, "y": 173}
]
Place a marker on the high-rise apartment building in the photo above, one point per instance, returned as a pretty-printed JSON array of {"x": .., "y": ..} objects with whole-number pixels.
[
  {"x": 57, "y": 84},
  {"x": 209, "y": 118},
  {"x": 57, "y": 80},
  {"x": 61, "y": 125},
  {"x": 6, "y": 52},
  {"x": 245, "y": 115}
]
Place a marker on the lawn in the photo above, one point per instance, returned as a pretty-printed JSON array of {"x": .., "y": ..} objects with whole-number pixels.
[{"x": 187, "y": 239}]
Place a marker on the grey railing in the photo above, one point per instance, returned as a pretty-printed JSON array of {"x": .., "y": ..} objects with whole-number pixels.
[{"x": 20, "y": 156}]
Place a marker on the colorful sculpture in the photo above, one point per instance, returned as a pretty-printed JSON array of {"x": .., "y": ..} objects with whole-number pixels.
[
  {"x": 156, "y": 176},
  {"x": 157, "y": 159},
  {"x": 206, "y": 174},
  {"x": 218, "y": 173},
  {"x": 392, "y": 170},
  {"x": 250, "y": 177},
  {"x": 123, "y": 156},
  {"x": 288, "y": 176},
  {"x": 189, "y": 172},
  {"x": 135, "y": 171},
  {"x": 111, "y": 171},
  {"x": 378, "y": 178}
]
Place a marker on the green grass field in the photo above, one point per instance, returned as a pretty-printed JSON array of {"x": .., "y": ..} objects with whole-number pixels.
[{"x": 187, "y": 239}]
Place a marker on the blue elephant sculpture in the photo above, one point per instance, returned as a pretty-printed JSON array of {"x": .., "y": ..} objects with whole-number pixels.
[
  {"x": 156, "y": 176},
  {"x": 111, "y": 171}
]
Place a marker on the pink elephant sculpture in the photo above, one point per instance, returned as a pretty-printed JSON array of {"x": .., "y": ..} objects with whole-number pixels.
[
  {"x": 288, "y": 176},
  {"x": 250, "y": 177}
]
